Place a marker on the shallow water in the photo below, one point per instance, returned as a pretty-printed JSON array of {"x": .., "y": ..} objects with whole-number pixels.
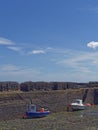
[
  {"x": 90, "y": 112},
  {"x": 95, "y": 113}
]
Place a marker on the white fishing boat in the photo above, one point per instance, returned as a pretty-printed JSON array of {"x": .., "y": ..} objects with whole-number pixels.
[{"x": 77, "y": 105}]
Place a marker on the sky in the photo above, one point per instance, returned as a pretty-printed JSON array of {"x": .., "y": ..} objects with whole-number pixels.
[{"x": 49, "y": 40}]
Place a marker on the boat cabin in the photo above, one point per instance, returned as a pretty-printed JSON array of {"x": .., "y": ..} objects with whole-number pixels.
[
  {"x": 31, "y": 108},
  {"x": 78, "y": 101}
]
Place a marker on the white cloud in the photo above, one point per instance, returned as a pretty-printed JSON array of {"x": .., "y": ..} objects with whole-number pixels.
[
  {"x": 92, "y": 44},
  {"x": 37, "y": 52},
  {"x": 4, "y": 41}
]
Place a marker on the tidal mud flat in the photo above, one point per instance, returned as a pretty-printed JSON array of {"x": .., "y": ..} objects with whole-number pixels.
[
  {"x": 79, "y": 120},
  {"x": 13, "y": 105}
]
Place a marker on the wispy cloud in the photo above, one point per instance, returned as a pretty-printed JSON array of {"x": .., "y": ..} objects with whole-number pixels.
[
  {"x": 12, "y": 72},
  {"x": 92, "y": 44},
  {"x": 93, "y": 9},
  {"x": 68, "y": 65},
  {"x": 37, "y": 52},
  {"x": 9, "y": 67},
  {"x": 11, "y": 45},
  {"x": 4, "y": 41},
  {"x": 14, "y": 48},
  {"x": 79, "y": 61},
  {"x": 64, "y": 64},
  {"x": 22, "y": 50}
]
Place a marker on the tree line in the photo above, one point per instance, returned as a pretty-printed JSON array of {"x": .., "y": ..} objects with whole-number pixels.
[{"x": 32, "y": 86}]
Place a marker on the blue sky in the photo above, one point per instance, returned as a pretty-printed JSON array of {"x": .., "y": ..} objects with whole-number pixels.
[{"x": 49, "y": 40}]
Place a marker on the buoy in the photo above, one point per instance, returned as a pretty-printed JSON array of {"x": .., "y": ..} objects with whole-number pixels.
[
  {"x": 25, "y": 116},
  {"x": 92, "y": 104},
  {"x": 42, "y": 110},
  {"x": 69, "y": 108},
  {"x": 88, "y": 104}
]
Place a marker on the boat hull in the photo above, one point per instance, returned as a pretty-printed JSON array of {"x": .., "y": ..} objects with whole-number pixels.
[
  {"x": 37, "y": 114},
  {"x": 77, "y": 107}
]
